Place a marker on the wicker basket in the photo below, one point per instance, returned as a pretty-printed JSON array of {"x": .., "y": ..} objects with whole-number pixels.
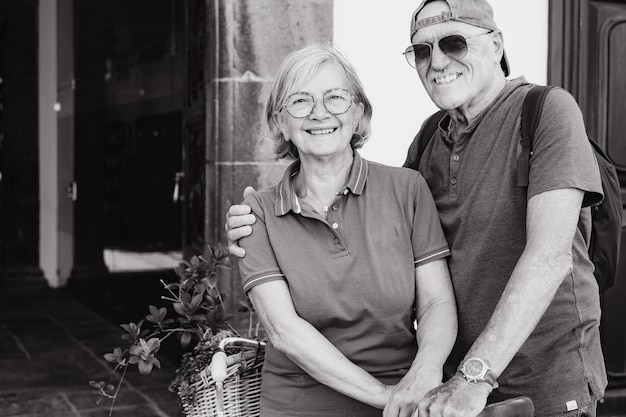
[{"x": 231, "y": 385}]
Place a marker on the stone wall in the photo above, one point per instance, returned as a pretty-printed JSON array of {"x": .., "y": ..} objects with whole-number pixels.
[{"x": 246, "y": 42}]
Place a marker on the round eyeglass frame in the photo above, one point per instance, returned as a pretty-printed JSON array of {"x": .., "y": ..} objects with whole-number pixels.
[{"x": 284, "y": 105}]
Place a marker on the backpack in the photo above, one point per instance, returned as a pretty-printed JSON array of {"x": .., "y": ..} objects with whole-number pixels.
[
  {"x": 606, "y": 229},
  {"x": 606, "y": 216}
]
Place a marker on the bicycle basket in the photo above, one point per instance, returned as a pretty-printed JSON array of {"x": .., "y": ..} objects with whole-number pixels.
[{"x": 231, "y": 385}]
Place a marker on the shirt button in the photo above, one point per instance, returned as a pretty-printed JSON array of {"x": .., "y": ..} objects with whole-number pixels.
[
  {"x": 453, "y": 180},
  {"x": 335, "y": 208},
  {"x": 345, "y": 191},
  {"x": 335, "y": 225},
  {"x": 335, "y": 241},
  {"x": 456, "y": 158}
]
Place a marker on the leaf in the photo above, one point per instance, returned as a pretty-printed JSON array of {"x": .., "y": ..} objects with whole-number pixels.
[
  {"x": 185, "y": 339},
  {"x": 156, "y": 315},
  {"x": 135, "y": 350},
  {"x": 110, "y": 357},
  {"x": 178, "y": 308},
  {"x": 198, "y": 318},
  {"x": 196, "y": 300},
  {"x": 212, "y": 281},
  {"x": 145, "y": 367},
  {"x": 244, "y": 307},
  {"x": 171, "y": 286},
  {"x": 97, "y": 384},
  {"x": 185, "y": 298},
  {"x": 153, "y": 345}
]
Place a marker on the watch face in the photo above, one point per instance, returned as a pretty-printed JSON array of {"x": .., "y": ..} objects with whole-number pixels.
[{"x": 473, "y": 368}]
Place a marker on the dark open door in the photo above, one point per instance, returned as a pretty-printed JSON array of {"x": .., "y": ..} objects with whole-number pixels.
[
  {"x": 194, "y": 119},
  {"x": 19, "y": 170},
  {"x": 128, "y": 132},
  {"x": 588, "y": 57}
]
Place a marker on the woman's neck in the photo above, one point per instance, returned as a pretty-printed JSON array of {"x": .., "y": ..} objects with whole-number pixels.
[{"x": 319, "y": 180}]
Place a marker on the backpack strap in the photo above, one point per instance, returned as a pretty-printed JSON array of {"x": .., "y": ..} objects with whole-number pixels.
[
  {"x": 422, "y": 139},
  {"x": 531, "y": 113}
]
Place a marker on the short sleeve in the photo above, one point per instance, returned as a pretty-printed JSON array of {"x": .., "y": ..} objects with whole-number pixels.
[
  {"x": 260, "y": 264},
  {"x": 562, "y": 155},
  {"x": 427, "y": 237}
]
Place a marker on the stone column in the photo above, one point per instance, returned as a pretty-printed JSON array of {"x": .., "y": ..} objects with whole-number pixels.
[{"x": 246, "y": 41}]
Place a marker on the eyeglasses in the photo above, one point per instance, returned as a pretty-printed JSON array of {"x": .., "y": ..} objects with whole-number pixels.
[
  {"x": 454, "y": 46},
  {"x": 336, "y": 101}
]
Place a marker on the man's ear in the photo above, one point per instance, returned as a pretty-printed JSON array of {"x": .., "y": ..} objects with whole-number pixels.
[{"x": 498, "y": 43}]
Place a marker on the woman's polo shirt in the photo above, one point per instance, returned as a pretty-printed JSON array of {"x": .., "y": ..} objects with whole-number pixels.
[{"x": 351, "y": 274}]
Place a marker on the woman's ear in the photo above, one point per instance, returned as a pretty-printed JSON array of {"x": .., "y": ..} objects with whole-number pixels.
[
  {"x": 280, "y": 122},
  {"x": 359, "y": 111}
]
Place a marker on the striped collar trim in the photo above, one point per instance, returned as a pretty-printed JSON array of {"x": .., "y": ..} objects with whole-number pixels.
[{"x": 287, "y": 200}]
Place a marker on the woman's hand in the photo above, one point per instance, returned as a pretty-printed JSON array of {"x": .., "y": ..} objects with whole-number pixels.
[
  {"x": 411, "y": 389},
  {"x": 238, "y": 222}
]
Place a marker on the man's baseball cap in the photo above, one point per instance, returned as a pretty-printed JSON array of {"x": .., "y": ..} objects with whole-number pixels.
[{"x": 473, "y": 12}]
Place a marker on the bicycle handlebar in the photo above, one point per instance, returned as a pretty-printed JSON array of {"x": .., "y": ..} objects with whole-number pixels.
[{"x": 515, "y": 407}]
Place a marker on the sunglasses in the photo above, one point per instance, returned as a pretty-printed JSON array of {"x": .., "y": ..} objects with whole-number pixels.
[{"x": 453, "y": 46}]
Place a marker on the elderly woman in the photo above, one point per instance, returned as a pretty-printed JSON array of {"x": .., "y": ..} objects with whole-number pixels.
[{"x": 344, "y": 257}]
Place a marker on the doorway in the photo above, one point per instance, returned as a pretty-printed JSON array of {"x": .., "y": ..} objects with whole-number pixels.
[
  {"x": 142, "y": 214},
  {"x": 128, "y": 150}
]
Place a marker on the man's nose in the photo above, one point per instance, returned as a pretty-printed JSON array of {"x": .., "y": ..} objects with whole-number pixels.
[{"x": 438, "y": 60}]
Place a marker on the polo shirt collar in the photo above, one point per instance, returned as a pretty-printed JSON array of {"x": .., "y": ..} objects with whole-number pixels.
[
  {"x": 509, "y": 88},
  {"x": 287, "y": 200}
]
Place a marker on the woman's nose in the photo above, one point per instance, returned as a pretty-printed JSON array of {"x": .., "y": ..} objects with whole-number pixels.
[{"x": 319, "y": 110}]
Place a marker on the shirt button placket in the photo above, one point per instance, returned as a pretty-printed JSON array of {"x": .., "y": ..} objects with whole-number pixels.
[{"x": 454, "y": 174}]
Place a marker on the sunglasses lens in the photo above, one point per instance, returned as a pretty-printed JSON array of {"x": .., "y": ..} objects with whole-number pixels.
[
  {"x": 418, "y": 55},
  {"x": 453, "y": 46}
]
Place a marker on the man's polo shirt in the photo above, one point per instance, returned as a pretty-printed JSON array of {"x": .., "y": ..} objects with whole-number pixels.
[
  {"x": 483, "y": 213},
  {"x": 352, "y": 274}
]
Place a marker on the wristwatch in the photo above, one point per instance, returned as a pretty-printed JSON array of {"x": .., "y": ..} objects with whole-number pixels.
[{"x": 477, "y": 370}]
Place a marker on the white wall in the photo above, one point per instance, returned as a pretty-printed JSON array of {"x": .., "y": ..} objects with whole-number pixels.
[{"x": 373, "y": 34}]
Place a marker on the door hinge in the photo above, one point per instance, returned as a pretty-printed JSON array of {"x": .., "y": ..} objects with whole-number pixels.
[{"x": 72, "y": 191}]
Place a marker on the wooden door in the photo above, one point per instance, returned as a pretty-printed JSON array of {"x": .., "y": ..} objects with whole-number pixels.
[{"x": 587, "y": 56}]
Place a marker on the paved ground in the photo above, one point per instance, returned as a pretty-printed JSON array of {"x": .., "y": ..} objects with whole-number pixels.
[{"x": 51, "y": 345}]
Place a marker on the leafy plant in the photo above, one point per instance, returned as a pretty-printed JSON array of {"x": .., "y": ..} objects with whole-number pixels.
[{"x": 200, "y": 321}]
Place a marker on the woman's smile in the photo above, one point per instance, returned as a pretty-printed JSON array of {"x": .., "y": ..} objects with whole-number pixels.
[{"x": 321, "y": 131}]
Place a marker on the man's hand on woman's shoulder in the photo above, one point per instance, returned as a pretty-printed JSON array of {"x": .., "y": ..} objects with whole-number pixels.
[{"x": 238, "y": 221}]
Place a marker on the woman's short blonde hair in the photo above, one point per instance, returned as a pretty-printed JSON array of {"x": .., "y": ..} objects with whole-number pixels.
[{"x": 296, "y": 70}]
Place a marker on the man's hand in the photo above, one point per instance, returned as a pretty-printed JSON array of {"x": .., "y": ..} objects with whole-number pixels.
[
  {"x": 411, "y": 389},
  {"x": 456, "y": 398},
  {"x": 238, "y": 221}
]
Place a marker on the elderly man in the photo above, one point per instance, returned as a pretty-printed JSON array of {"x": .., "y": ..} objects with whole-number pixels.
[{"x": 527, "y": 299}]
